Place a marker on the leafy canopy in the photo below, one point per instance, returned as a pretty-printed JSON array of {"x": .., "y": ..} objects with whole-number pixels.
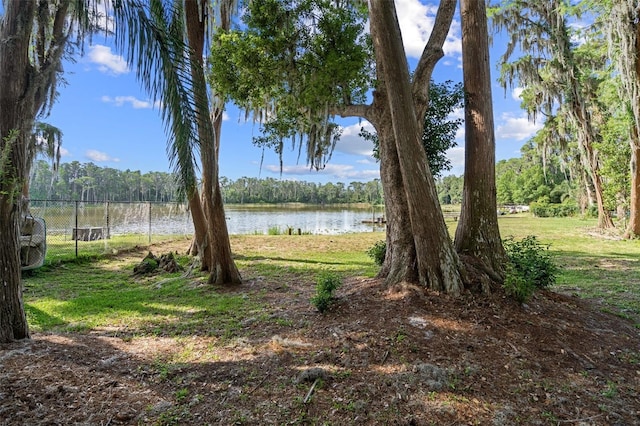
[{"x": 290, "y": 65}]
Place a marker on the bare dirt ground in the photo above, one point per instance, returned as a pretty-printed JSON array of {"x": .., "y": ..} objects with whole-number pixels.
[{"x": 381, "y": 356}]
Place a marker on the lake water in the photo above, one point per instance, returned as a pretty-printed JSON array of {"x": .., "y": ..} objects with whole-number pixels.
[
  {"x": 170, "y": 219},
  {"x": 259, "y": 221},
  {"x": 314, "y": 221}
]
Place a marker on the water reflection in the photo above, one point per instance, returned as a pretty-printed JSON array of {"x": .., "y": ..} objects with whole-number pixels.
[
  {"x": 171, "y": 219},
  {"x": 314, "y": 221}
]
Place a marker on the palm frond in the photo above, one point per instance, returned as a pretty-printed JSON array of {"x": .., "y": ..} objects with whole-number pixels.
[{"x": 151, "y": 34}]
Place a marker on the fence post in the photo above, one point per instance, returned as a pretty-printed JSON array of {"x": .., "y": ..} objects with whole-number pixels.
[
  {"x": 108, "y": 224},
  {"x": 76, "y": 229},
  {"x": 149, "y": 222}
]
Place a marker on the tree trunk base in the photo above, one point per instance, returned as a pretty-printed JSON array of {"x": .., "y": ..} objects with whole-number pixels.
[{"x": 478, "y": 277}]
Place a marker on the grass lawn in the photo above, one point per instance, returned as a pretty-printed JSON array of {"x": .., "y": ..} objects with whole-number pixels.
[
  {"x": 82, "y": 295},
  {"x": 109, "y": 345}
]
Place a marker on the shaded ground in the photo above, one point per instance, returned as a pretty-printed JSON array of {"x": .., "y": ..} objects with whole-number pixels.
[{"x": 380, "y": 356}]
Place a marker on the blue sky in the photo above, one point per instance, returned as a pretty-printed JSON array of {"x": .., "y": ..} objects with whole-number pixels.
[{"x": 107, "y": 119}]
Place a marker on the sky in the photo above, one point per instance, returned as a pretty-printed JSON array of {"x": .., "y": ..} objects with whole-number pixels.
[{"x": 106, "y": 118}]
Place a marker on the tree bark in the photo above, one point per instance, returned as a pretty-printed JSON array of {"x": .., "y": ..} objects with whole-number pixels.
[
  {"x": 633, "y": 228},
  {"x": 604, "y": 217},
  {"x": 17, "y": 115},
  {"x": 438, "y": 266},
  {"x": 400, "y": 259},
  {"x": 224, "y": 270},
  {"x": 220, "y": 261},
  {"x": 477, "y": 234}
]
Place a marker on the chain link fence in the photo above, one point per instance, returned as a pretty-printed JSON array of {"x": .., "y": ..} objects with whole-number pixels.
[{"x": 82, "y": 228}]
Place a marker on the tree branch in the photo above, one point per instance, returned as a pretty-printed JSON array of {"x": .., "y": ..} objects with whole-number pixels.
[
  {"x": 430, "y": 56},
  {"x": 344, "y": 111}
]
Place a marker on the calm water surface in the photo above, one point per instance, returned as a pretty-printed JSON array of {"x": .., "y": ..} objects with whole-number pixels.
[
  {"x": 314, "y": 221},
  {"x": 170, "y": 219}
]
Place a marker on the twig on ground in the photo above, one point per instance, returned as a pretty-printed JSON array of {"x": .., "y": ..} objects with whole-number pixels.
[
  {"x": 259, "y": 384},
  {"x": 313, "y": 386}
]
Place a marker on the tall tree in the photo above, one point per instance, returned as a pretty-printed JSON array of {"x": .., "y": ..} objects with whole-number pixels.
[
  {"x": 218, "y": 248},
  {"x": 620, "y": 22},
  {"x": 438, "y": 266},
  {"x": 33, "y": 37},
  {"x": 477, "y": 234},
  {"x": 555, "y": 75},
  {"x": 35, "y": 34},
  {"x": 175, "y": 72},
  {"x": 334, "y": 85}
]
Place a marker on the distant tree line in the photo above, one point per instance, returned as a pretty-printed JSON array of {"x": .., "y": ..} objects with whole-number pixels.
[
  {"x": 89, "y": 182},
  {"x": 524, "y": 180},
  {"x": 269, "y": 190}
]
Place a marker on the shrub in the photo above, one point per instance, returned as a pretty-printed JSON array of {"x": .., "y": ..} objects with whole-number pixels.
[
  {"x": 530, "y": 267},
  {"x": 378, "y": 251},
  {"x": 326, "y": 285},
  {"x": 542, "y": 209}
]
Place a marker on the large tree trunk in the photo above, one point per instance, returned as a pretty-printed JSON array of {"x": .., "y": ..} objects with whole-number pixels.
[
  {"x": 224, "y": 269},
  {"x": 633, "y": 229},
  {"x": 438, "y": 265},
  {"x": 201, "y": 245},
  {"x": 477, "y": 234},
  {"x": 400, "y": 260},
  {"x": 219, "y": 261},
  {"x": 16, "y": 120}
]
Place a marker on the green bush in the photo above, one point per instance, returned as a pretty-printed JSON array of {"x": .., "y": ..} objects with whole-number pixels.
[
  {"x": 326, "y": 285},
  {"x": 530, "y": 267},
  {"x": 542, "y": 209},
  {"x": 378, "y": 251}
]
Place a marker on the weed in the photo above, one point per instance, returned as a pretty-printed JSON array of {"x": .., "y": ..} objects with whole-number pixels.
[
  {"x": 550, "y": 416},
  {"x": 611, "y": 390},
  {"x": 530, "y": 267},
  {"x": 326, "y": 285},
  {"x": 378, "y": 251},
  {"x": 274, "y": 230},
  {"x": 284, "y": 322},
  {"x": 181, "y": 394}
]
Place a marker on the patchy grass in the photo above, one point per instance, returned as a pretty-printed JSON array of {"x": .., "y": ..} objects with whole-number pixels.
[
  {"x": 82, "y": 296},
  {"x": 61, "y": 249}
]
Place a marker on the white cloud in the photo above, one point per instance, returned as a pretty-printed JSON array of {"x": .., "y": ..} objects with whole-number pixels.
[
  {"x": 338, "y": 171},
  {"x": 516, "y": 127},
  {"x": 64, "y": 152},
  {"x": 131, "y": 100},
  {"x": 99, "y": 156},
  {"x": 351, "y": 143},
  {"x": 416, "y": 22},
  {"x": 456, "y": 156},
  {"x": 516, "y": 93},
  {"x": 107, "y": 61}
]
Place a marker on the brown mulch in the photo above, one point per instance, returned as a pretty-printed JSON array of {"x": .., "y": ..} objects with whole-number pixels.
[{"x": 395, "y": 356}]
